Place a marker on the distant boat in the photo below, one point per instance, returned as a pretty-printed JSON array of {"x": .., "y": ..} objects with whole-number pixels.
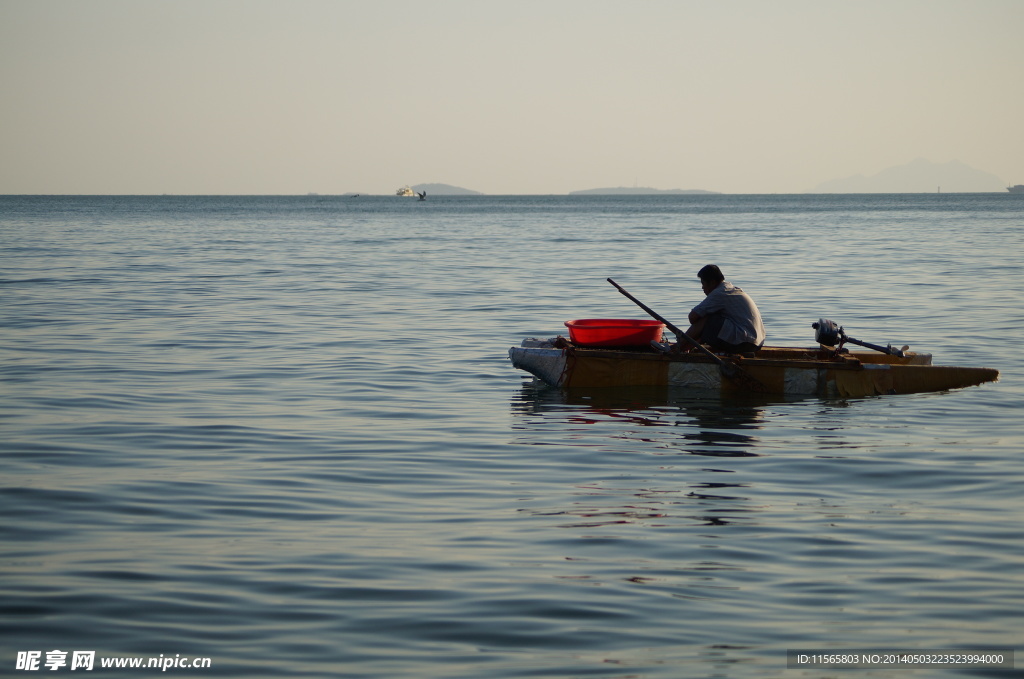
[
  {"x": 1019, "y": 188},
  {"x": 405, "y": 191}
]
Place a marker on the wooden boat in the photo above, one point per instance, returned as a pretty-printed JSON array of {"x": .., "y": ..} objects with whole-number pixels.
[{"x": 789, "y": 371}]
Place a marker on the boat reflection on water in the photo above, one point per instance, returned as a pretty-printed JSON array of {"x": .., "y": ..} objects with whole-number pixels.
[
  {"x": 600, "y": 433},
  {"x": 709, "y": 425}
]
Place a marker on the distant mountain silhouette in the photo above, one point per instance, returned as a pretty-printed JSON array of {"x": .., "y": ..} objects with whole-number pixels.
[
  {"x": 919, "y": 176},
  {"x": 444, "y": 190},
  {"x": 636, "y": 191}
]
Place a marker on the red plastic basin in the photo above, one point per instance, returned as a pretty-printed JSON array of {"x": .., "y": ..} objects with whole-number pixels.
[{"x": 614, "y": 332}]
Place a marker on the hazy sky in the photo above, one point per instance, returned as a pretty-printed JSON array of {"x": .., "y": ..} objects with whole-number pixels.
[{"x": 548, "y": 96}]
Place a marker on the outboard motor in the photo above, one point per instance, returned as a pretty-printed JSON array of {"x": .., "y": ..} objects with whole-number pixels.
[
  {"x": 827, "y": 333},
  {"x": 830, "y": 334}
]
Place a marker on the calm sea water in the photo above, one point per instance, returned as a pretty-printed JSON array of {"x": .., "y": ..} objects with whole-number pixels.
[{"x": 283, "y": 434}]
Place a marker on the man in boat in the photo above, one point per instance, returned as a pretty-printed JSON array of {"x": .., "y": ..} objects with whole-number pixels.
[{"x": 727, "y": 319}]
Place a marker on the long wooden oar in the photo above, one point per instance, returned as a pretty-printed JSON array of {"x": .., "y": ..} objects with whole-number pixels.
[{"x": 728, "y": 369}]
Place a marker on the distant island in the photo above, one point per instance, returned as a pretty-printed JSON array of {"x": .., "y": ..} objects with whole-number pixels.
[
  {"x": 638, "y": 191},
  {"x": 444, "y": 190},
  {"x": 437, "y": 189},
  {"x": 919, "y": 176}
]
